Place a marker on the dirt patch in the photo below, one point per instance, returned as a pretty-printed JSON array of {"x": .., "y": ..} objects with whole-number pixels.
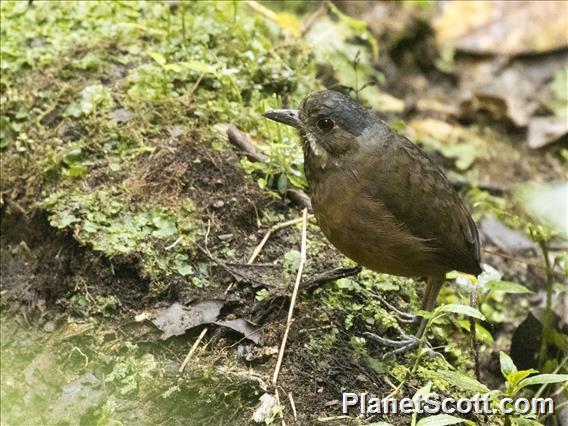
[
  {"x": 45, "y": 267},
  {"x": 213, "y": 180}
]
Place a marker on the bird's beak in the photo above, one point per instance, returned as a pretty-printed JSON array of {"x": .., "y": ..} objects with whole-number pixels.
[{"x": 291, "y": 117}]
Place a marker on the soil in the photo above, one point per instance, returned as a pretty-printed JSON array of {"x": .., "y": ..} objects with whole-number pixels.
[{"x": 42, "y": 268}]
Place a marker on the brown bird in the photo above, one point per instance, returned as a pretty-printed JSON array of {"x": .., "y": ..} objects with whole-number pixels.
[{"x": 379, "y": 198}]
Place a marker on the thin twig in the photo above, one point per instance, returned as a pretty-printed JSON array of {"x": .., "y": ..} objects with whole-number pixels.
[
  {"x": 274, "y": 228},
  {"x": 294, "y": 296},
  {"x": 277, "y": 395},
  {"x": 473, "y": 331},
  {"x": 196, "y": 84},
  {"x": 333, "y": 419},
  {"x": 237, "y": 275},
  {"x": 249, "y": 148},
  {"x": 175, "y": 243},
  {"x": 192, "y": 350},
  {"x": 513, "y": 258},
  {"x": 293, "y": 405},
  {"x": 241, "y": 141},
  {"x": 257, "y": 7}
]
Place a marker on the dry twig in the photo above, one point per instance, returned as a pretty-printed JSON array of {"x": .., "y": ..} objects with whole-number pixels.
[
  {"x": 192, "y": 350},
  {"x": 274, "y": 228},
  {"x": 293, "y": 405},
  {"x": 294, "y": 296},
  {"x": 473, "y": 331},
  {"x": 243, "y": 143}
]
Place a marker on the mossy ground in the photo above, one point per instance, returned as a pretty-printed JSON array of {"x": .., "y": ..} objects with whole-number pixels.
[{"x": 116, "y": 175}]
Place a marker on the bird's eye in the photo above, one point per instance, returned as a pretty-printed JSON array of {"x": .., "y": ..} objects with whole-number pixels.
[{"x": 325, "y": 124}]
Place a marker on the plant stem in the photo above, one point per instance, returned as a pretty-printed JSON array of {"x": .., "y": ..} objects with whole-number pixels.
[
  {"x": 420, "y": 346},
  {"x": 547, "y": 318}
]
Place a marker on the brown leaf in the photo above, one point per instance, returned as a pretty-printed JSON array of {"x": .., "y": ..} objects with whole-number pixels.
[
  {"x": 177, "y": 319},
  {"x": 514, "y": 90},
  {"x": 244, "y": 327},
  {"x": 545, "y": 130},
  {"x": 503, "y": 27},
  {"x": 505, "y": 238}
]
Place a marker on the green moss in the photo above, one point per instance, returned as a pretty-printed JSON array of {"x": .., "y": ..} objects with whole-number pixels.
[
  {"x": 108, "y": 223},
  {"x": 166, "y": 65}
]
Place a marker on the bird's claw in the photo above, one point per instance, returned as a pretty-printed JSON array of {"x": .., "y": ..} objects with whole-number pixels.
[
  {"x": 401, "y": 316},
  {"x": 403, "y": 345}
]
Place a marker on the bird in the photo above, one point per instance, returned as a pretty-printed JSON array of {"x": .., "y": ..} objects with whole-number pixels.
[{"x": 379, "y": 198}]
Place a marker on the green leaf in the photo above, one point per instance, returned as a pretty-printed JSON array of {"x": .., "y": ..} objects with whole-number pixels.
[
  {"x": 507, "y": 287},
  {"x": 200, "y": 67},
  {"x": 507, "y": 365},
  {"x": 439, "y": 420},
  {"x": 173, "y": 67},
  {"x": 515, "y": 377},
  {"x": 282, "y": 184},
  {"x": 184, "y": 269},
  {"x": 360, "y": 26},
  {"x": 76, "y": 170},
  {"x": 64, "y": 220},
  {"x": 542, "y": 379},
  {"x": 462, "y": 381},
  {"x": 165, "y": 227},
  {"x": 424, "y": 390},
  {"x": 482, "y": 333},
  {"x": 519, "y": 421},
  {"x": 158, "y": 57},
  {"x": 461, "y": 309}
]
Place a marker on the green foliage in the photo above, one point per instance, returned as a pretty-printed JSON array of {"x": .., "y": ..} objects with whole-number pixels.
[
  {"x": 322, "y": 341},
  {"x": 357, "y": 303},
  {"x": 129, "y": 371},
  {"x": 291, "y": 264},
  {"x": 559, "y": 86},
  {"x": 106, "y": 222},
  {"x": 95, "y": 98},
  {"x": 164, "y": 65},
  {"x": 86, "y": 305},
  {"x": 517, "y": 380}
]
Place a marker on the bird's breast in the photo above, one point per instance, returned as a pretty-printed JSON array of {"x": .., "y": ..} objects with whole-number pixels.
[{"x": 362, "y": 228}]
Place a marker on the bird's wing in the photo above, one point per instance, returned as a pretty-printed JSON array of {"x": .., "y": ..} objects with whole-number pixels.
[{"x": 420, "y": 197}]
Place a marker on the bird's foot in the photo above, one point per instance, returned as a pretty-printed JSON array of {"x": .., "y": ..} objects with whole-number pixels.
[
  {"x": 405, "y": 344},
  {"x": 401, "y": 316}
]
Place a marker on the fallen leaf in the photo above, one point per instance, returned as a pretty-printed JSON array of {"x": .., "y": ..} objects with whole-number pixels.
[
  {"x": 515, "y": 90},
  {"x": 545, "y": 130},
  {"x": 503, "y": 27},
  {"x": 177, "y": 319},
  {"x": 505, "y": 238},
  {"x": 264, "y": 412},
  {"x": 69, "y": 331},
  {"x": 246, "y": 328}
]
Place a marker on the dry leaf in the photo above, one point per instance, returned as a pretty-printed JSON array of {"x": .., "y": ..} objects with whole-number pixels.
[
  {"x": 503, "y": 27},
  {"x": 177, "y": 319},
  {"x": 246, "y": 328},
  {"x": 545, "y": 130}
]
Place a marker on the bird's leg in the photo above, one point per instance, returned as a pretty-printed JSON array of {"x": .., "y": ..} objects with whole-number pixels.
[{"x": 407, "y": 343}]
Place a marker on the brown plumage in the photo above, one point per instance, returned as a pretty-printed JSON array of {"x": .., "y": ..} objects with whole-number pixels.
[{"x": 379, "y": 198}]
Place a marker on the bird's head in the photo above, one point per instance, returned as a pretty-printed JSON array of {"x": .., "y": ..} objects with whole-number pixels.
[{"x": 327, "y": 120}]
